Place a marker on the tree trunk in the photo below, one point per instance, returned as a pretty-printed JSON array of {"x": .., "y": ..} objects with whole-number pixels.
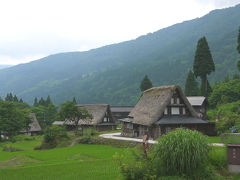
[{"x": 204, "y": 85}]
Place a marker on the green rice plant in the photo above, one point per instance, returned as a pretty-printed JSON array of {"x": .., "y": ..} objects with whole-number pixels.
[{"x": 182, "y": 152}]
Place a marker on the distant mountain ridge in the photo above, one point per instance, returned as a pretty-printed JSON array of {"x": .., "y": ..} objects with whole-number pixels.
[
  {"x": 4, "y": 66},
  {"x": 112, "y": 74}
]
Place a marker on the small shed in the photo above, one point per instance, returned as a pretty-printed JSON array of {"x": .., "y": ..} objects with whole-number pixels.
[
  {"x": 234, "y": 158},
  {"x": 199, "y": 103}
]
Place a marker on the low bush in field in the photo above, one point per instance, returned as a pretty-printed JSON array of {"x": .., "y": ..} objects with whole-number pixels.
[
  {"x": 10, "y": 149},
  {"x": 182, "y": 152},
  {"x": 54, "y": 136},
  {"x": 23, "y": 138}
]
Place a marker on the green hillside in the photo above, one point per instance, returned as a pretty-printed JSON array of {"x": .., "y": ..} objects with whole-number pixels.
[{"x": 112, "y": 74}]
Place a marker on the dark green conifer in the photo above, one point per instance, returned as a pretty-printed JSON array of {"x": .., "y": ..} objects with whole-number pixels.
[
  {"x": 74, "y": 100},
  {"x": 203, "y": 63},
  {"x": 15, "y": 99},
  {"x": 48, "y": 101},
  {"x": 145, "y": 84},
  {"x": 21, "y": 101},
  {"x": 41, "y": 102},
  {"x": 203, "y": 90},
  {"x": 35, "y": 104},
  {"x": 191, "y": 85},
  {"x": 238, "y": 47}
]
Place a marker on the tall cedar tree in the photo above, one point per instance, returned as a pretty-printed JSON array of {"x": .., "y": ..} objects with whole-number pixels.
[
  {"x": 191, "y": 85},
  {"x": 203, "y": 64},
  {"x": 35, "y": 104},
  {"x": 145, "y": 84},
  {"x": 238, "y": 48},
  {"x": 48, "y": 101},
  {"x": 15, "y": 99},
  {"x": 74, "y": 100}
]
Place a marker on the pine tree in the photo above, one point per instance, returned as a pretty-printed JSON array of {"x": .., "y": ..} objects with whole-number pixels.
[
  {"x": 74, "y": 100},
  {"x": 21, "y": 101},
  {"x": 209, "y": 89},
  {"x": 203, "y": 64},
  {"x": 41, "y": 102},
  {"x": 238, "y": 47},
  {"x": 15, "y": 99},
  {"x": 35, "y": 104},
  {"x": 48, "y": 101},
  {"x": 191, "y": 85},
  {"x": 145, "y": 84}
]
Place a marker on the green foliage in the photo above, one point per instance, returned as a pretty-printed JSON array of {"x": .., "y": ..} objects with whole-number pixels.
[
  {"x": 182, "y": 152},
  {"x": 145, "y": 83},
  {"x": 232, "y": 139},
  {"x": 12, "y": 118},
  {"x": 228, "y": 115},
  {"x": 35, "y": 104},
  {"x": 203, "y": 89},
  {"x": 46, "y": 115},
  {"x": 218, "y": 157},
  {"x": 191, "y": 85},
  {"x": 203, "y": 65},
  {"x": 53, "y": 135},
  {"x": 69, "y": 111},
  {"x": 133, "y": 166},
  {"x": 238, "y": 47},
  {"x": 203, "y": 62},
  {"x": 225, "y": 92},
  {"x": 238, "y": 65},
  {"x": 74, "y": 100}
]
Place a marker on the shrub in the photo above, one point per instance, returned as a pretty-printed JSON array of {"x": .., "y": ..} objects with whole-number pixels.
[
  {"x": 218, "y": 157},
  {"x": 133, "y": 166},
  {"x": 182, "y": 152},
  {"x": 10, "y": 149},
  {"x": 53, "y": 136}
]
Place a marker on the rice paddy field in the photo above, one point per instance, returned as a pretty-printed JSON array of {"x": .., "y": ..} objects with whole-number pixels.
[{"x": 76, "y": 162}]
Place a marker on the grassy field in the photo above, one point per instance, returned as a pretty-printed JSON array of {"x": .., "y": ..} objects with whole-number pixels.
[{"x": 77, "y": 162}]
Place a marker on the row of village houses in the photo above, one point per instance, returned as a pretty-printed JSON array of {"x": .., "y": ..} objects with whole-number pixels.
[{"x": 159, "y": 110}]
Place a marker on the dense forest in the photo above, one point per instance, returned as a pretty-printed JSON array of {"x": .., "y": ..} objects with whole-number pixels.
[{"x": 112, "y": 74}]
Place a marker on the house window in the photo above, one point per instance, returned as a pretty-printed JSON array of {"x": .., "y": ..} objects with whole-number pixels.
[
  {"x": 172, "y": 100},
  {"x": 175, "y": 111},
  {"x": 129, "y": 126}
]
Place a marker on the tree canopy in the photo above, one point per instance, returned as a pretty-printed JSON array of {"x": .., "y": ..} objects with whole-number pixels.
[
  {"x": 73, "y": 113},
  {"x": 12, "y": 118},
  {"x": 145, "y": 83},
  {"x": 238, "y": 47},
  {"x": 191, "y": 85}
]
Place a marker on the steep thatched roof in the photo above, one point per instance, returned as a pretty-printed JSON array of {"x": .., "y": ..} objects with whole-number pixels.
[
  {"x": 34, "y": 126},
  {"x": 98, "y": 111},
  {"x": 153, "y": 102}
]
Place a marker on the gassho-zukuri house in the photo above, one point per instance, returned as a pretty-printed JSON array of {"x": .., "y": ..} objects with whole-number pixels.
[
  {"x": 34, "y": 127},
  {"x": 102, "y": 118},
  {"x": 162, "y": 109}
]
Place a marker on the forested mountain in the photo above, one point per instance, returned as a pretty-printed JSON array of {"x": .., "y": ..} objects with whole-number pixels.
[{"x": 112, "y": 74}]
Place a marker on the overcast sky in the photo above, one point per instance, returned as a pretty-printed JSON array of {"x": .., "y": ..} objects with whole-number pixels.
[{"x": 31, "y": 29}]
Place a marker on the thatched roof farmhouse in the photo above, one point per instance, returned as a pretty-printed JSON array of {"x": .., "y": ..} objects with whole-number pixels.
[
  {"x": 34, "y": 127},
  {"x": 102, "y": 118},
  {"x": 161, "y": 109}
]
